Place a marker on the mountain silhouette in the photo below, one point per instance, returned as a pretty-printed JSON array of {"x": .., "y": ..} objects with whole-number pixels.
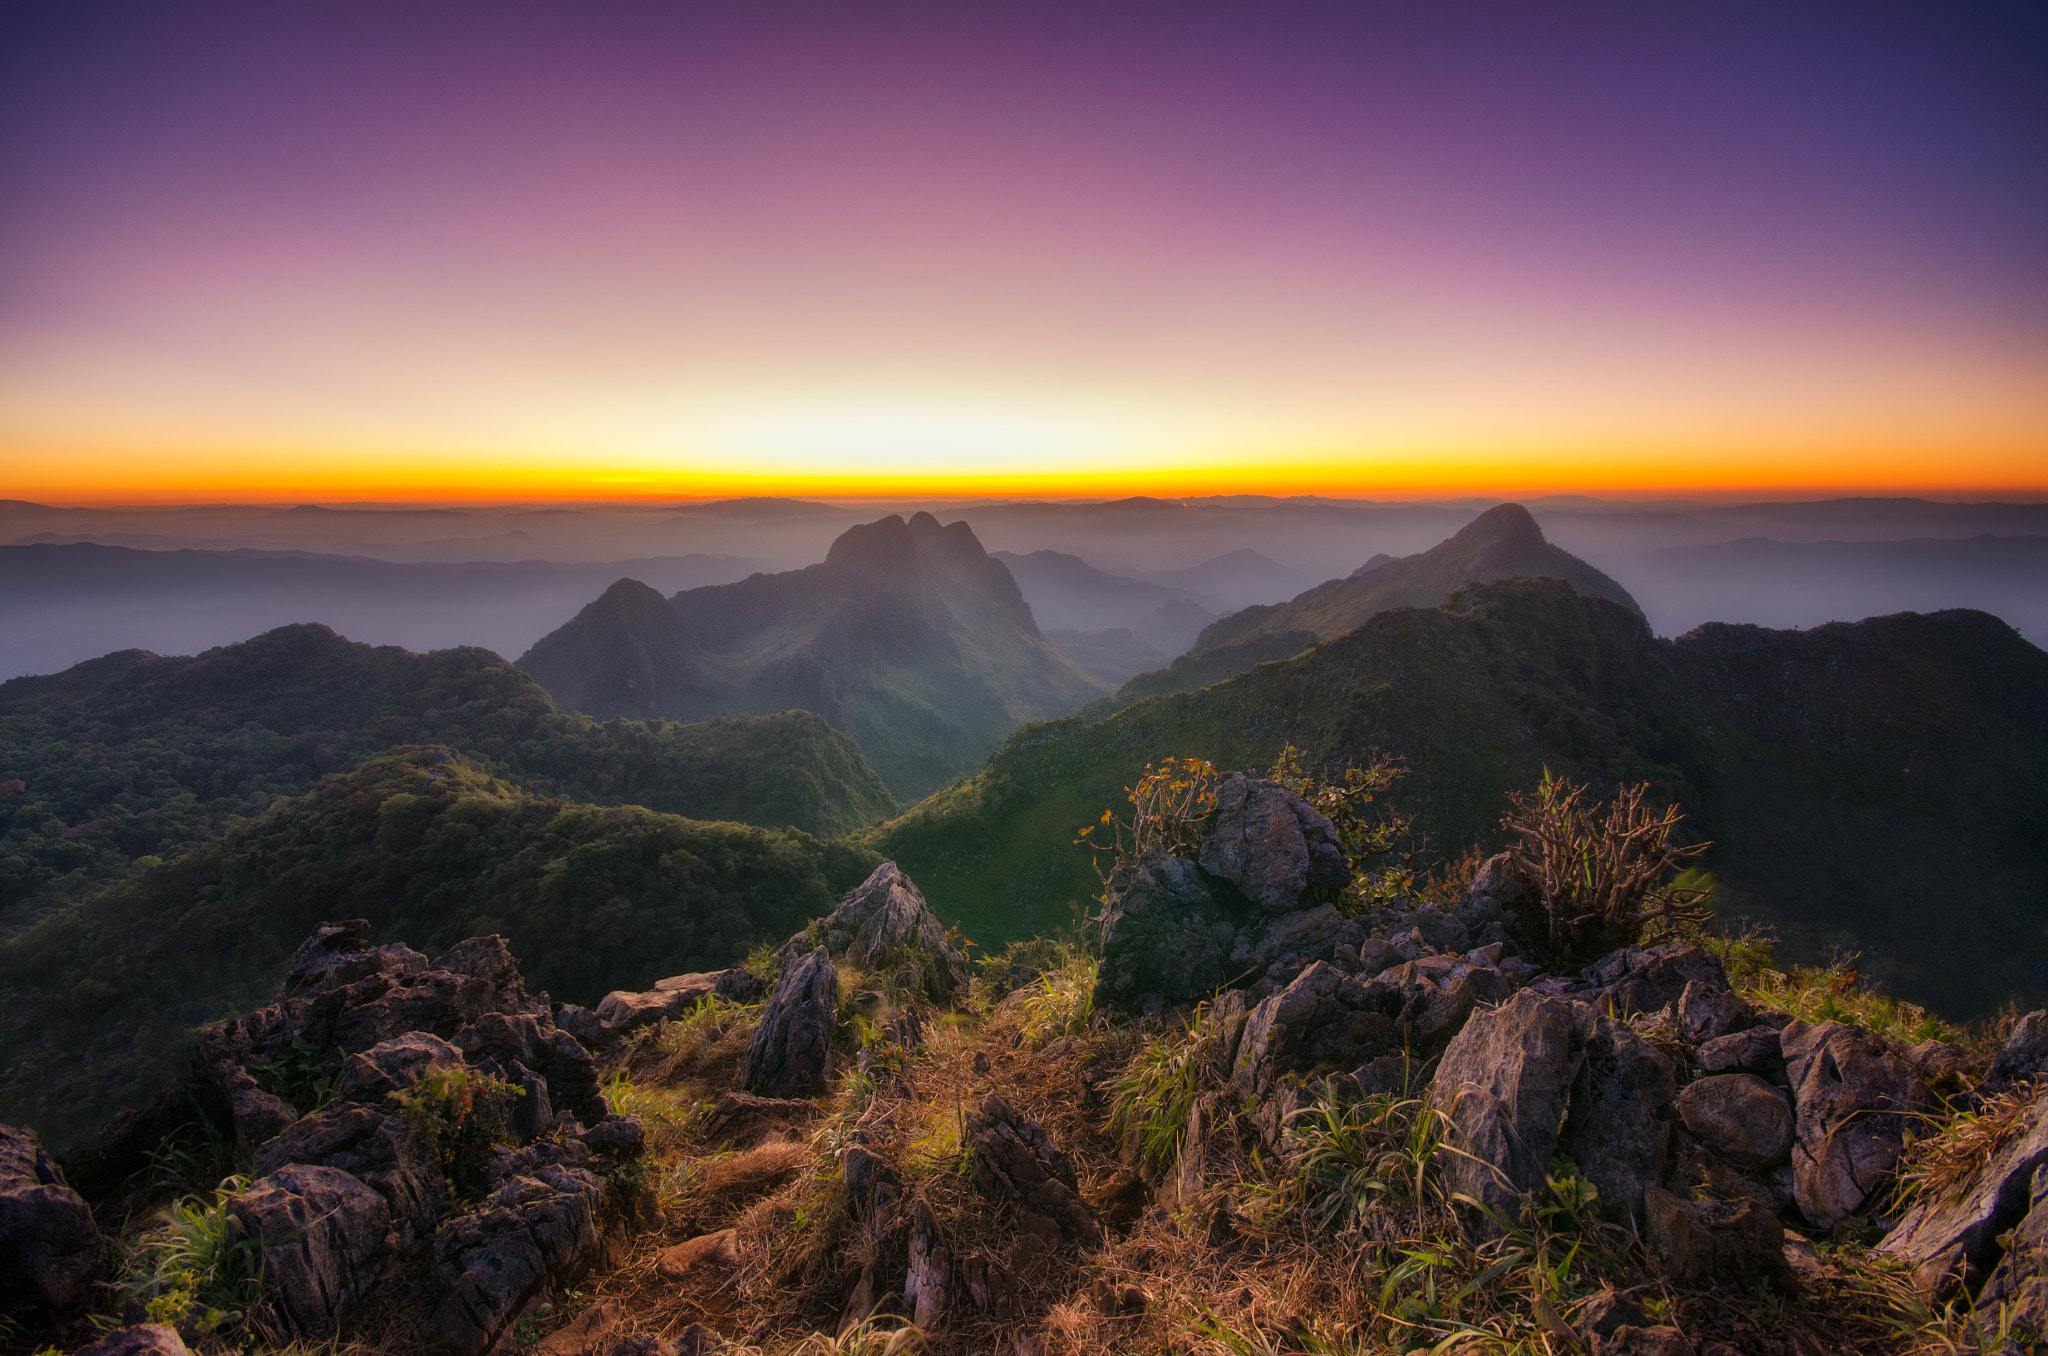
[{"x": 908, "y": 636}]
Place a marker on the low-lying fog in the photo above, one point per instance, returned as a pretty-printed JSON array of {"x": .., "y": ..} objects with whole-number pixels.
[{"x": 76, "y": 583}]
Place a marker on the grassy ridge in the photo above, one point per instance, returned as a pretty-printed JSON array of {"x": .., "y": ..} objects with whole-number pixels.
[
  {"x": 97, "y": 1002},
  {"x": 1785, "y": 747}
]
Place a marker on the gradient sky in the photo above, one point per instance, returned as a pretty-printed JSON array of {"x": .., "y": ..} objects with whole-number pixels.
[{"x": 448, "y": 250}]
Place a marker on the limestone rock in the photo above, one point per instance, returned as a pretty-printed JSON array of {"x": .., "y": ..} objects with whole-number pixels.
[
  {"x": 2025, "y": 1054},
  {"x": 928, "y": 1280},
  {"x": 1278, "y": 1030},
  {"x": 337, "y": 954},
  {"x": 384, "y": 1151},
  {"x": 144, "y": 1339},
  {"x": 1740, "y": 1117},
  {"x": 1503, "y": 1086},
  {"x": 320, "y": 1228},
  {"x": 1621, "y": 1111},
  {"x": 1706, "y": 1011},
  {"x": 1756, "y": 1050},
  {"x": 719, "y": 1249},
  {"x": 623, "y": 1010},
  {"x": 388, "y": 1066},
  {"x": 50, "y": 1249},
  {"x": 511, "y": 1045},
  {"x": 2018, "y": 1286},
  {"x": 1164, "y": 937},
  {"x": 1854, "y": 1101},
  {"x": 1697, "y": 1242},
  {"x": 1014, "y": 1159},
  {"x": 1648, "y": 979},
  {"x": 1966, "y": 1227},
  {"x": 1272, "y": 844},
  {"x": 791, "y": 1052},
  {"x": 590, "y": 1333},
  {"x": 486, "y": 1264},
  {"x": 884, "y": 923}
]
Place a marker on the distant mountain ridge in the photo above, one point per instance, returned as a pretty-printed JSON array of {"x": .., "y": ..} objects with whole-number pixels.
[
  {"x": 908, "y": 637},
  {"x": 1501, "y": 543}
]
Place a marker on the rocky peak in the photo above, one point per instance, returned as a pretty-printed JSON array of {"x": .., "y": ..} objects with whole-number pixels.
[
  {"x": 885, "y": 547},
  {"x": 1504, "y": 527}
]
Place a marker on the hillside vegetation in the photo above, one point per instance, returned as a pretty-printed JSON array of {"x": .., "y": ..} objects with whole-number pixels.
[
  {"x": 908, "y": 637},
  {"x": 97, "y": 1002},
  {"x": 1872, "y": 786},
  {"x": 137, "y": 756}
]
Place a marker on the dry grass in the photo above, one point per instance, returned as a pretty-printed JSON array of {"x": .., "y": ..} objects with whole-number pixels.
[{"x": 1937, "y": 1167}]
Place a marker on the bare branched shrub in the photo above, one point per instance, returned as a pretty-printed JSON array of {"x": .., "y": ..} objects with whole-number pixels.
[{"x": 1599, "y": 871}]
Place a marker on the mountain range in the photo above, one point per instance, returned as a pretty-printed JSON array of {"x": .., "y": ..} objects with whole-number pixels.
[
  {"x": 1871, "y": 786},
  {"x": 908, "y": 637}
]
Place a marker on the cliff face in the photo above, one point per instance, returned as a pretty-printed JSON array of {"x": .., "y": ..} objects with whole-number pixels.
[{"x": 908, "y": 636}]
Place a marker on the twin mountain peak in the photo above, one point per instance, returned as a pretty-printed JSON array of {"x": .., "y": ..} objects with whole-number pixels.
[{"x": 912, "y": 639}]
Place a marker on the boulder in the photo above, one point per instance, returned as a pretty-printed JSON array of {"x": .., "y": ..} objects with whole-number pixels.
[
  {"x": 512, "y": 1045},
  {"x": 1273, "y": 845},
  {"x": 144, "y": 1339},
  {"x": 50, "y": 1249},
  {"x": 623, "y": 1010},
  {"x": 337, "y": 954},
  {"x": 1649, "y": 979},
  {"x": 1621, "y": 1111},
  {"x": 1164, "y": 937},
  {"x": 884, "y": 924},
  {"x": 2016, "y": 1292},
  {"x": 1502, "y": 1086},
  {"x": 2025, "y": 1053},
  {"x": 1753, "y": 1051},
  {"x": 1280, "y": 947},
  {"x": 1961, "y": 1231},
  {"x": 1278, "y": 1031},
  {"x": 386, "y": 1152},
  {"x": 486, "y": 1264},
  {"x": 1855, "y": 1101},
  {"x": 791, "y": 1052},
  {"x": 1705, "y": 1011},
  {"x": 1740, "y": 1117},
  {"x": 319, "y": 1228},
  {"x": 1698, "y": 1242},
  {"x": 1013, "y": 1159},
  {"x": 388, "y": 1066}
]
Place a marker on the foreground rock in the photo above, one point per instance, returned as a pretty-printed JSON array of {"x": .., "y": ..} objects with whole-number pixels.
[
  {"x": 884, "y": 925},
  {"x": 51, "y": 1252},
  {"x": 1271, "y": 844},
  {"x": 791, "y": 1051},
  {"x": 624, "y": 1010},
  {"x": 1855, "y": 1102},
  {"x": 1015, "y": 1160}
]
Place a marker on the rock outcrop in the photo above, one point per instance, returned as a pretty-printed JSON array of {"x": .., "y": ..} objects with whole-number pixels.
[
  {"x": 1015, "y": 1160},
  {"x": 883, "y": 924},
  {"x": 623, "y": 1010},
  {"x": 51, "y": 1252},
  {"x": 1855, "y": 1100},
  {"x": 1271, "y": 844},
  {"x": 791, "y": 1051}
]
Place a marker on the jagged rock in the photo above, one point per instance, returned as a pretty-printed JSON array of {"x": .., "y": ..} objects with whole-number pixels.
[
  {"x": 1756, "y": 1050},
  {"x": 1273, "y": 845},
  {"x": 1854, "y": 1100},
  {"x": 623, "y": 1010},
  {"x": 510, "y": 1045},
  {"x": 144, "y": 1339},
  {"x": 928, "y": 1280},
  {"x": 1708, "y": 1011},
  {"x": 1649, "y": 979},
  {"x": 583, "y": 1024},
  {"x": 741, "y": 1116},
  {"x": 1277, "y": 1032},
  {"x": 340, "y": 953},
  {"x": 2025, "y": 1053},
  {"x": 487, "y": 1263},
  {"x": 320, "y": 1228},
  {"x": 386, "y": 1152},
  {"x": 388, "y": 1066},
  {"x": 1621, "y": 1110},
  {"x": 256, "y": 1115},
  {"x": 1964, "y": 1228},
  {"x": 1282, "y": 946},
  {"x": 1502, "y": 1085},
  {"x": 50, "y": 1249},
  {"x": 1938, "y": 1062},
  {"x": 1441, "y": 932},
  {"x": 2017, "y": 1289},
  {"x": 1696, "y": 1242},
  {"x": 1740, "y": 1117},
  {"x": 992, "y": 1288},
  {"x": 791, "y": 1053},
  {"x": 1607, "y": 1310},
  {"x": 1164, "y": 937},
  {"x": 1495, "y": 889},
  {"x": 883, "y": 923},
  {"x": 1014, "y": 1159}
]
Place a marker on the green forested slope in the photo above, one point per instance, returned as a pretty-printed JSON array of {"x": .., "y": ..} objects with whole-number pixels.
[
  {"x": 97, "y": 1001},
  {"x": 1791, "y": 749},
  {"x": 139, "y": 756}
]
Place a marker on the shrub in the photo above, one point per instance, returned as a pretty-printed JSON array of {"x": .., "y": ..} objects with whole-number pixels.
[
  {"x": 1367, "y": 829},
  {"x": 1598, "y": 874},
  {"x": 1169, "y": 806},
  {"x": 194, "y": 1269}
]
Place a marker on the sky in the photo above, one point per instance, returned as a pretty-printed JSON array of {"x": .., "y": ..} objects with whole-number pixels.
[{"x": 488, "y": 251}]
